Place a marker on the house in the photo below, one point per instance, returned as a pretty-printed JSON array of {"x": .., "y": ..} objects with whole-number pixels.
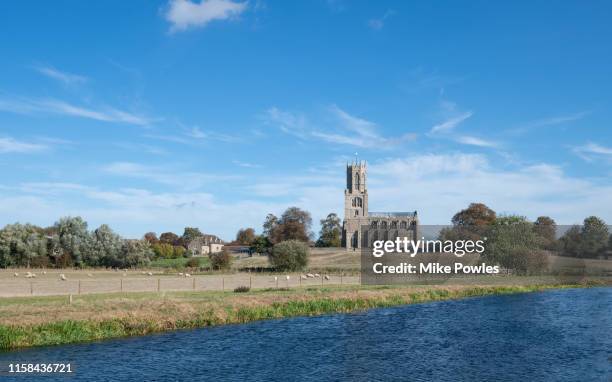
[{"x": 204, "y": 245}]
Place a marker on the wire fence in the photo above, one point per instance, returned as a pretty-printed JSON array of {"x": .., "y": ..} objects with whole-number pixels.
[{"x": 16, "y": 288}]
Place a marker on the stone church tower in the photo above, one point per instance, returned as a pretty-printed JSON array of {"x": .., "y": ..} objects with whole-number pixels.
[
  {"x": 362, "y": 227},
  {"x": 355, "y": 204}
]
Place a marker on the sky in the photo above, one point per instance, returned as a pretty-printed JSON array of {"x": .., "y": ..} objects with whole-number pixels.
[{"x": 156, "y": 115}]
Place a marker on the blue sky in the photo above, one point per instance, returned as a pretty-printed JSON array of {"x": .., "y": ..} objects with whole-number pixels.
[{"x": 158, "y": 115}]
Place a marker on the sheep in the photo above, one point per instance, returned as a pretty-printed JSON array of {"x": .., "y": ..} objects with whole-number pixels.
[
  {"x": 303, "y": 277},
  {"x": 275, "y": 278},
  {"x": 317, "y": 275},
  {"x": 89, "y": 275},
  {"x": 327, "y": 277},
  {"x": 181, "y": 274},
  {"x": 16, "y": 274},
  {"x": 62, "y": 277},
  {"x": 149, "y": 273},
  {"x": 187, "y": 275},
  {"x": 310, "y": 275},
  {"x": 44, "y": 272},
  {"x": 288, "y": 277}
]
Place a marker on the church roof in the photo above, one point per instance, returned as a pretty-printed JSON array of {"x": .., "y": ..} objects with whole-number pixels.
[{"x": 391, "y": 214}]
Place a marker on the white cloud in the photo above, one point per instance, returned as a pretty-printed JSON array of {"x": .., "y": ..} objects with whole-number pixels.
[
  {"x": 246, "y": 164},
  {"x": 350, "y": 130},
  {"x": 11, "y": 145},
  {"x": 183, "y": 14},
  {"x": 450, "y": 124},
  {"x": 53, "y": 106},
  {"x": 64, "y": 77},
  {"x": 474, "y": 141},
  {"x": 591, "y": 151}
]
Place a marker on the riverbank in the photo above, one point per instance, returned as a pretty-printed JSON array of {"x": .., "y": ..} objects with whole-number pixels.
[{"x": 41, "y": 321}]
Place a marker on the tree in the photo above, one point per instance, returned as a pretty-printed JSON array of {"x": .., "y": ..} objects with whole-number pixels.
[
  {"x": 134, "y": 253},
  {"x": 477, "y": 214},
  {"x": 245, "y": 236},
  {"x": 294, "y": 224},
  {"x": 151, "y": 237},
  {"x": 189, "y": 235},
  {"x": 261, "y": 245},
  {"x": 330, "y": 235},
  {"x": 168, "y": 238},
  {"x": 546, "y": 228},
  {"x": 72, "y": 238},
  {"x": 290, "y": 255},
  {"x": 594, "y": 237},
  {"x": 571, "y": 242},
  {"x": 221, "y": 260},
  {"x": 20, "y": 244},
  {"x": 269, "y": 225},
  {"x": 105, "y": 247}
]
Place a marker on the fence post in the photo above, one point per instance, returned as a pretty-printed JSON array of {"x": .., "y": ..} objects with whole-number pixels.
[
  {"x": 250, "y": 282},
  {"x": 31, "y": 288},
  {"x": 341, "y": 274},
  {"x": 158, "y": 284},
  {"x": 300, "y": 280},
  {"x": 322, "y": 278},
  {"x": 121, "y": 287},
  {"x": 194, "y": 283},
  {"x": 79, "y": 287},
  {"x": 223, "y": 284}
]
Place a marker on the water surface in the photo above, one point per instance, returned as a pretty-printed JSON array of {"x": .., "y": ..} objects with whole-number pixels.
[{"x": 562, "y": 335}]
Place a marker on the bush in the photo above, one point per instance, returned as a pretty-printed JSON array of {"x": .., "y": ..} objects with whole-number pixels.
[
  {"x": 527, "y": 262},
  {"x": 290, "y": 255},
  {"x": 193, "y": 262},
  {"x": 220, "y": 260},
  {"x": 242, "y": 289}
]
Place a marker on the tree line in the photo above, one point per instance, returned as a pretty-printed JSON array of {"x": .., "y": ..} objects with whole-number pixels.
[{"x": 69, "y": 243}]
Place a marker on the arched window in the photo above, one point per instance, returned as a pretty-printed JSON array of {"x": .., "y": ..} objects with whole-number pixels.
[
  {"x": 403, "y": 225},
  {"x": 356, "y": 212},
  {"x": 357, "y": 180},
  {"x": 374, "y": 224},
  {"x": 394, "y": 225}
]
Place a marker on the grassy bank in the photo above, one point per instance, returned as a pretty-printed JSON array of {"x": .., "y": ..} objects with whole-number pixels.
[{"x": 38, "y": 321}]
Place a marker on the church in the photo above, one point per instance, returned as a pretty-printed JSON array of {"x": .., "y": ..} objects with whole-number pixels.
[{"x": 361, "y": 227}]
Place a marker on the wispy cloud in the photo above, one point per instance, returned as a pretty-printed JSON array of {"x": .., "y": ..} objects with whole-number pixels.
[
  {"x": 549, "y": 121},
  {"x": 64, "y": 77},
  {"x": 474, "y": 141},
  {"x": 450, "y": 124},
  {"x": 54, "y": 106},
  {"x": 184, "y": 14},
  {"x": 11, "y": 145},
  {"x": 379, "y": 23},
  {"x": 247, "y": 164},
  {"x": 350, "y": 130},
  {"x": 591, "y": 151}
]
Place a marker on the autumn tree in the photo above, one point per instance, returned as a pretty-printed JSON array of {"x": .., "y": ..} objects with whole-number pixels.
[
  {"x": 330, "y": 235},
  {"x": 294, "y": 224},
  {"x": 168, "y": 238},
  {"x": 470, "y": 223},
  {"x": 151, "y": 237},
  {"x": 245, "y": 236}
]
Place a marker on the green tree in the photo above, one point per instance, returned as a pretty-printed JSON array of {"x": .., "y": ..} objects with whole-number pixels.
[
  {"x": 20, "y": 244},
  {"x": 72, "y": 239},
  {"x": 163, "y": 250},
  {"x": 594, "y": 237},
  {"x": 105, "y": 247},
  {"x": 571, "y": 242},
  {"x": 245, "y": 236},
  {"x": 261, "y": 245},
  {"x": 135, "y": 253},
  {"x": 546, "y": 228},
  {"x": 330, "y": 235},
  {"x": 290, "y": 255},
  {"x": 189, "y": 235},
  {"x": 471, "y": 223}
]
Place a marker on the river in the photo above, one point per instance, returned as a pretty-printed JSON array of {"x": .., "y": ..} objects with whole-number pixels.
[{"x": 560, "y": 335}]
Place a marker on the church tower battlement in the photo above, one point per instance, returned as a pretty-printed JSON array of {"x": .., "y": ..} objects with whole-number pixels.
[{"x": 356, "y": 192}]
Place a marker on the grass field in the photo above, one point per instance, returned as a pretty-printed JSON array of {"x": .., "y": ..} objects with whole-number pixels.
[{"x": 37, "y": 321}]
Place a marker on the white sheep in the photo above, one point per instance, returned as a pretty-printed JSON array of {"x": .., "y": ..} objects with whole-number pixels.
[
  {"x": 62, "y": 277},
  {"x": 288, "y": 277},
  {"x": 317, "y": 275},
  {"x": 149, "y": 273},
  {"x": 327, "y": 277},
  {"x": 187, "y": 275},
  {"x": 44, "y": 272},
  {"x": 275, "y": 278},
  {"x": 303, "y": 277},
  {"x": 89, "y": 275},
  {"x": 181, "y": 274},
  {"x": 310, "y": 275},
  {"x": 16, "y": 274}
]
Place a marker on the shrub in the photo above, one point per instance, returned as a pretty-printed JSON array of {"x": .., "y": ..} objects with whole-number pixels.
[
  {"x": 193, "y": 262},
  {"x": 526, "y": 261},
  {"x": 242, "y": 289},
  {"x": 220, "y": 260},
  {"x": 290, "y": 255}
]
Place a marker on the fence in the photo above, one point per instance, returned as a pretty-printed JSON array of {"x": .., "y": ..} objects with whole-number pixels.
[{"x": 17, "y": 288}]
